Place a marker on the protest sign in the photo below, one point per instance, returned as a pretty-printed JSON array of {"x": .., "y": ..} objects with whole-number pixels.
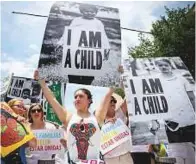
[
  {"x": 25, "y": 89},
  {"x": 147, "y": 132},
  {"x": 48, "y": 141},
  {"x": 58, "y": 92},
  {"x": 161, "y": 88},
  {"x": 81, "y": 47},
  {"x": 113, "y": 135},
  {"x": 13, "y": 133},
  {"x": 29, "y": 91},
  {"x": 148, "y": 98}
]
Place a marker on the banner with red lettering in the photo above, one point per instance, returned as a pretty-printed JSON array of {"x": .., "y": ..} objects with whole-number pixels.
[{"x": 113, "y": 135}]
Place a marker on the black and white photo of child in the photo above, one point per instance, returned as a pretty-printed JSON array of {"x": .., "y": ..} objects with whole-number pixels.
[
  {"x": 178, "y": 89},
  {"x": 78, "y": 43}
]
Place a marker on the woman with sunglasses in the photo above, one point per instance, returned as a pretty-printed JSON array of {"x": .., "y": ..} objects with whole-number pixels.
[
  {"x": 120, "y": 154},
  {"x": 36, "y": 120},
  {"x": 83, "y": 132}
]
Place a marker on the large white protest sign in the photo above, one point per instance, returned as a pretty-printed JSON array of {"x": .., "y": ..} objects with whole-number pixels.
[
  {"x": 113, "y": 135},
  {"x": 81, "y": 44},
  {"x": 48, "y": 141},
  {"x": 152, "y": 98},
  {"x": 161, "y": 89}
]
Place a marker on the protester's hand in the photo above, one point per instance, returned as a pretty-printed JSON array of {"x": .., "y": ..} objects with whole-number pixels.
[
  {"x": 63, "y": 142},
  {"x": 36, "y": 75},
  {"x": 112, "y": 120},
  {"x": 21, "y": 119},
  {"x": 112, "y": 89},
  {"x": 120, "y": 69},
  {"x": 32, "y": 143},
  {"x": 150, "y": 148}
]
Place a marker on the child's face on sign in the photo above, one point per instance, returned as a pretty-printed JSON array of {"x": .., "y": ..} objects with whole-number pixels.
[
  {"x": 164, "y": 67},
  {"x": 89, "y": 13}
]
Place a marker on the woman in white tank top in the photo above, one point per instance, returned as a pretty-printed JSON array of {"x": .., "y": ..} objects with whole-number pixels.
[{"x": 83, "y": 133}]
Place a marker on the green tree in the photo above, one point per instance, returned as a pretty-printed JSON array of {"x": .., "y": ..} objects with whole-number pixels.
[
  {"x": 146, "y": 48},
  {"x": 120, "y": 92},
  {"x": 173, "y": 35}
]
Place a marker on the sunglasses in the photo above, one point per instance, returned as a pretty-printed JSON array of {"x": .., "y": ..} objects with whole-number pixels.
[
  {"x": 34, "y": 110},
  {"x": 113, "y": 101}
]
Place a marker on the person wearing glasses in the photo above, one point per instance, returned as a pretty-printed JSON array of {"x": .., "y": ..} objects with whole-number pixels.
[
  {"x": 36, "y": 120},
  {"x": 18, "y": 107},
  {"x": 83, "y": 128},
  {"x": 120, "y": 154}
]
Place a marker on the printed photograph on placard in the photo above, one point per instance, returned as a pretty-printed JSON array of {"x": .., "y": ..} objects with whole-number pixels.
[
  {"x": 162, "y": 88},
  {"x": 82, "y": 44},
  {"x": 161, "y": 66},
  {"x": 25, "y": 89},
  {"x": 148, "y": 132}
]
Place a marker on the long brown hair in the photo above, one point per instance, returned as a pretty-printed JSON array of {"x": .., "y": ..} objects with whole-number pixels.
[{"x": 29, "y": 112}]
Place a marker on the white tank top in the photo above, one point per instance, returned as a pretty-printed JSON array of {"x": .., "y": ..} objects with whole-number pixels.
[{"x": 83, "y": 138}]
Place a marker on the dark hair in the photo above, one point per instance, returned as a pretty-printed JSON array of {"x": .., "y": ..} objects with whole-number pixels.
[
  {"x": 84, "y": 7},
  {"x": 88, "y": 93},
  {"x": 29, "y": 112},
  {"x": 164, "y": 60}
]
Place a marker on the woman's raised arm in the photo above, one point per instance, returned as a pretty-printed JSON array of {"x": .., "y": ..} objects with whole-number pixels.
[
  {"x": 101, "y": 112},
  {"x": 61, "y": 112}
]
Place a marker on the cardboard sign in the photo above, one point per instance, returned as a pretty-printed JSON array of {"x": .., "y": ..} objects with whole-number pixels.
[
  {"x": 58, "y": 91},
  {"x": 48, "y": 141},
  {"x": 160, "y": 90},
  {"x": 81, "y": 45},
  {"x": 25, "y": 89},
  {"x": 13, "y": 133},
  {"x": 113, "y": 135}
]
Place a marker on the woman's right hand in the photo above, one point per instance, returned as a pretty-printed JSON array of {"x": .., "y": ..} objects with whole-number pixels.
[{"x": 36, "y": 75}]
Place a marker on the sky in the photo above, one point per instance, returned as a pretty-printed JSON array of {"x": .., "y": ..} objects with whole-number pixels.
[{"x": 22, "y": 36}]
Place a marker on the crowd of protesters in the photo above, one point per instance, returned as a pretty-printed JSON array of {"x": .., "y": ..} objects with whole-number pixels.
[{"x": 82, "y": 128}]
